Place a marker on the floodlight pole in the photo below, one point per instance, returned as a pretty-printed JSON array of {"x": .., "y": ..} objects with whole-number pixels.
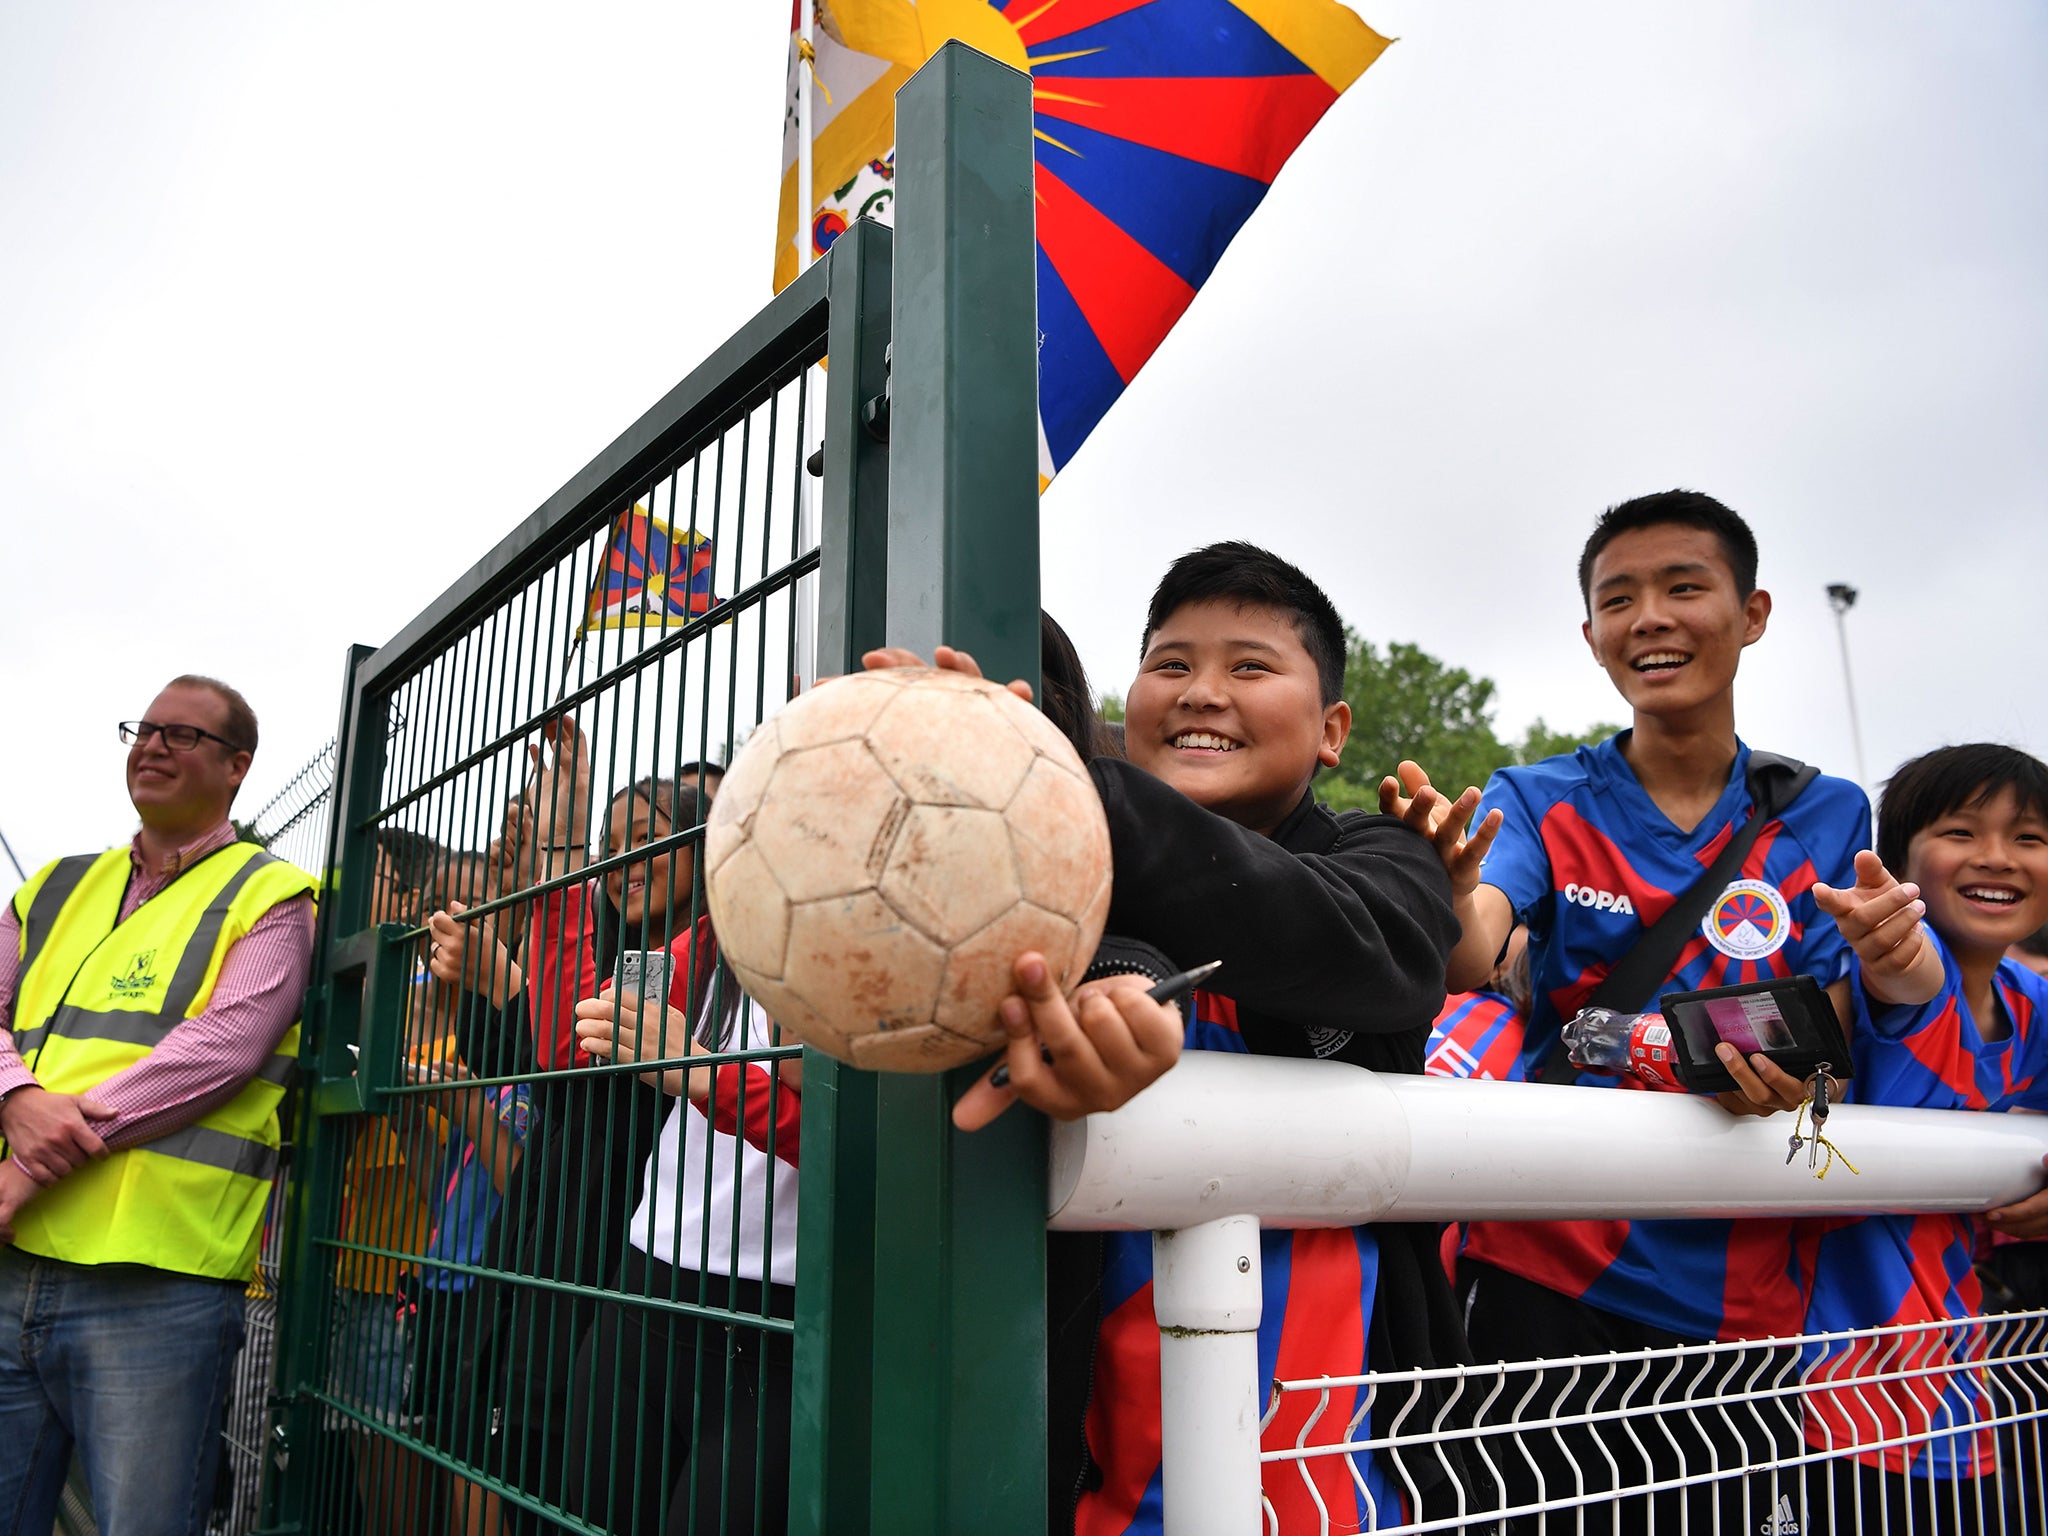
[{"x": 1841, "y": 598}]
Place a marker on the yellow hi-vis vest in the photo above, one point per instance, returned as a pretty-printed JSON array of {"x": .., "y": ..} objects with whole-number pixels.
[{"x": 97, "y": 995}]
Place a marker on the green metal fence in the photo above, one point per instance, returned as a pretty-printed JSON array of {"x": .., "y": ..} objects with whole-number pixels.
[{"x": 524, "y": 1289}]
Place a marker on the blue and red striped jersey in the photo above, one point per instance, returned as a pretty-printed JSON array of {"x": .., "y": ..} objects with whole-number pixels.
[
  {"x": 1589, "y": 862},
  {"x": 1885, "y": 1270},
  {"x": 1936, "y": 1056},
  {"x": 1478, "y": 1034},
  {"x": 1318, "y": 1296}
]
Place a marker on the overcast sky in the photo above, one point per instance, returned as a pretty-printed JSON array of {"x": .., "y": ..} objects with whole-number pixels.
[{"x": 306, "y": 305}]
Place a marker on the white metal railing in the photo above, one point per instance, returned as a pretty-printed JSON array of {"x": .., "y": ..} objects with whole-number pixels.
[
  {"x": 1760, "y": 1438},
  {"x": 1720, "y": 1437}
]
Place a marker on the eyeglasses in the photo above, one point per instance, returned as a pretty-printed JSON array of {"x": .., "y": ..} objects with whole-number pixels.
[{"x": 179, "y": 738}]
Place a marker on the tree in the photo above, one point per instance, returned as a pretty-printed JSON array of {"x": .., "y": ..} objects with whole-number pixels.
[
  {"x": 1406, "y": 703},
  {"x": 1540, "y": 741}
]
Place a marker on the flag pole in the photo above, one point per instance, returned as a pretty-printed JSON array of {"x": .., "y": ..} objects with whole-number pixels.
[
  {"x": 804, "y": 665},
  {"x": 807, "y": 54}
]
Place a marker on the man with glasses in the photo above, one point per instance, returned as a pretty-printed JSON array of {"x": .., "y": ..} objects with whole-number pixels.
[{"x": 149, "y": 999}]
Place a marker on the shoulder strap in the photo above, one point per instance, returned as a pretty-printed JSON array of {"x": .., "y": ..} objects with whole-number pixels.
[{"x": 1774, "y": 783}]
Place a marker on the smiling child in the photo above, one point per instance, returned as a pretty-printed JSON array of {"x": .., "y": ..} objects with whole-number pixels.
[
  {"x": 1332, "y": 928},
  {"x": 1944, "y": 1020}
]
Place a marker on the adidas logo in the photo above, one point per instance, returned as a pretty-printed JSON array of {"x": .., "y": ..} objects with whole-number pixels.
[
  {"x": 1599, "y": 900},
  {"x": 1783, "y": 1521}
]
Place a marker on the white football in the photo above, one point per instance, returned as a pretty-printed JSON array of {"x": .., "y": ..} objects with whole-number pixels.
[{"x": 883, "y": 849}]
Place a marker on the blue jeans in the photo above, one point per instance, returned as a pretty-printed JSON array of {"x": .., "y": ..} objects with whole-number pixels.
[{"x": 132, "y": 1365}]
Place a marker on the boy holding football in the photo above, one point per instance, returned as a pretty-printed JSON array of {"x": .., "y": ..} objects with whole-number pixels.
[{"x": 1333, "y": 929}]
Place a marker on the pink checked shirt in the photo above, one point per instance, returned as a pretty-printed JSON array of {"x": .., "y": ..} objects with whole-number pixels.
[{"x": 204, "y": 1061}]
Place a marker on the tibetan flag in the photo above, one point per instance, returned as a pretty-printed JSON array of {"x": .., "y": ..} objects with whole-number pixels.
[
  {"x": 1159, "y": 126},
  {"x": 650, "y": 578}
]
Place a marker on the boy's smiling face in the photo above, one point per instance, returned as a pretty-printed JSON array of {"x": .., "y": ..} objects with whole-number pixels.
[
  {"x": 1228, "y": 709},
  {"x": 1983, "y": 872},
  {"x": 1665, "y": 620}
]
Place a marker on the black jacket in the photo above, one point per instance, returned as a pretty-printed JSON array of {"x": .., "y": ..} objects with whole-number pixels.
[
  {"x": 1338, "y": 925},
  {"x": 1333, "y": 934}
]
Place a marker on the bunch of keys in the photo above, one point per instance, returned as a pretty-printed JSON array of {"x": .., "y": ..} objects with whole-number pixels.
[{"x": 1819, "y": 1086}]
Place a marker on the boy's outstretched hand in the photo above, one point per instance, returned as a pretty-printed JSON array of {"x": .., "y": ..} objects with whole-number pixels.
[
  {"x": 1880, "y": 917},
  {"x": 1092, "y": 1056},
  {"x": 1410, "y": 796},
  {"x": 945, "y": 658}
]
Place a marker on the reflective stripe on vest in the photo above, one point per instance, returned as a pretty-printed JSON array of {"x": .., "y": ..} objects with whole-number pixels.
[
  {"x": 191, "y": 1200},
  {"x": 217, "y": 1149},
  {"x": 148, "y": 1029},
  {"x": 55, "y": 890}
]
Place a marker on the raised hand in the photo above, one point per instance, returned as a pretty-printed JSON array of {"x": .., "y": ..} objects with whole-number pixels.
[
  {"x": 509, "y": 858},
  {"x": 559, "y": 796},
  {"x": 1880, "y": 917},
  {"x": 470, "y": 955},
  {"x": 1410, "y": 796},
  {"x": 1104, "y": 1048}
]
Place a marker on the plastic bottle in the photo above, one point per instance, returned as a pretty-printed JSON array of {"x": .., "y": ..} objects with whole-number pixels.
[{"x": 1637, "y": 1044}]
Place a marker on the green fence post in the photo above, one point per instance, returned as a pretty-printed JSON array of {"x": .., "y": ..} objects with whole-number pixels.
[
  {"x": 313, "y": 1190},
  {"x": 833, "y": 1378},
  {"x": 959, "y": 1270}
]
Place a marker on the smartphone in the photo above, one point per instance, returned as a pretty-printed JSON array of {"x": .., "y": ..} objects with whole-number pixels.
[{"x": 644, "y": 975}]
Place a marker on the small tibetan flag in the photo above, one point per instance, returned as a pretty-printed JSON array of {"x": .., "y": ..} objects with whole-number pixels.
[{"x": 651, "y": 577}]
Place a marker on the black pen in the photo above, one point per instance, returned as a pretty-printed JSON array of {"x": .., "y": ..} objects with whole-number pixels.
[{"x": 1171, "y": 990}]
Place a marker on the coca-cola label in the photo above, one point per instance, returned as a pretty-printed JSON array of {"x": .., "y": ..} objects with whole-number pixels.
[{"x": 1649, "y": 1051}]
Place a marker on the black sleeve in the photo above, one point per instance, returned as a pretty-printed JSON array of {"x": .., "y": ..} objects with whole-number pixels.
[{"x": 1352, "y": 936}]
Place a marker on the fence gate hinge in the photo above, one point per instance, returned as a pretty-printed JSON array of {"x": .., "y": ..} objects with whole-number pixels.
[{"x": 874, "y": 415}]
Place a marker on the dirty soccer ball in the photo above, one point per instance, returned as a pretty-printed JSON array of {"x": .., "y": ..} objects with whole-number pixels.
[{"x": 884, "y": 848}]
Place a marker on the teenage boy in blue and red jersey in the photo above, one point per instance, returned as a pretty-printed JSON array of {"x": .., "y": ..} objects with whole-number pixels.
[
  {"x": 1588, "y": 849},
  {"x": 1332, "y": 929},
  {"x": 1944, "y": 1020}
]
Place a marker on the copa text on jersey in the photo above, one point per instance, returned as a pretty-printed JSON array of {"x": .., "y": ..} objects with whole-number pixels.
[{"x": 1599, "y": 900}]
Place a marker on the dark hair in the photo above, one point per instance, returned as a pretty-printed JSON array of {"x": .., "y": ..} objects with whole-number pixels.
[
  {"x": 415, "y": 857},
  {"x": 1242, "y": 573},
  {"x": 1513, "y": 981},
  {"x": 663, "y": 795},
  {"x": 241, "y": 719},
  {"x": 1685, "y": 509},
  {"x": 1064, "y": 694},
  {"x": 701, "y": 767},
  {"x": 1947, "y": 779},
  {"x": 2036, "y": 943}
]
